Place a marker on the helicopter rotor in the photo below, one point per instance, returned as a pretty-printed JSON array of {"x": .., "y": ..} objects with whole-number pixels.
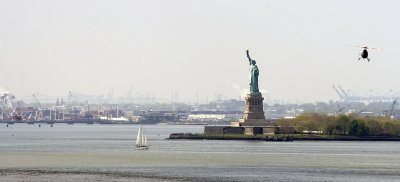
[
  {"x": 369, "y": 48},
  {"x": 374, "y": 48}
]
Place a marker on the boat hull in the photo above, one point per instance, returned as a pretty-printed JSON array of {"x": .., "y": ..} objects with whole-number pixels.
[{"x": 142, "y": 147}]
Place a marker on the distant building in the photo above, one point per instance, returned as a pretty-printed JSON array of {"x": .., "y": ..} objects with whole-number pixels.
[{"x": 206, "y": 117}]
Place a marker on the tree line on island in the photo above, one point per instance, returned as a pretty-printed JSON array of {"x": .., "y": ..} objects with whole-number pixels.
[{"x": 343, "y": 125}]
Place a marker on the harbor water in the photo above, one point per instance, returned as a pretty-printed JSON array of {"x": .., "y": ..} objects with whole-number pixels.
[{"x": 83, "y": 152}]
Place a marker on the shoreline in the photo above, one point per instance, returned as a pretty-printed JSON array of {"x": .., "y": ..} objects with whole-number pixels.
[
  {"x": 264, "y": 173},
  {"x": 96, "y": 174},
  {"x": 96, "y": 122},
  {"x": 278, "y": 138}
]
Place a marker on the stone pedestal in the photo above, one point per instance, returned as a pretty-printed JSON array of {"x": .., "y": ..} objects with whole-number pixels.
[
  {"x": 254, "y": 112},
  {"x": 254, "y": 107}
]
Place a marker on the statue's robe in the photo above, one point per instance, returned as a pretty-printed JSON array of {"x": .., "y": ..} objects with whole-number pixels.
[{"x": 253, "y": 76}]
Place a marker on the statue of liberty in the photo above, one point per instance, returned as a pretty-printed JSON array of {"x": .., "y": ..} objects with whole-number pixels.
[{"x": 253, "y": 75}]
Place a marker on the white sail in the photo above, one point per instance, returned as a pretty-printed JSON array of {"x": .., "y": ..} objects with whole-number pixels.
[
  {"x": 139, "y": 137},
  {"x": 145, "y": 141},
  {"x": 142, "y": 140}
]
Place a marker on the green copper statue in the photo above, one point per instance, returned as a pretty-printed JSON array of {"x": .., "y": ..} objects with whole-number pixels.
[{"x": 253, "y": 75}]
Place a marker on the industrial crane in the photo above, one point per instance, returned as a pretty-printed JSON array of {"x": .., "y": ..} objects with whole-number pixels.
[
  {"x": 337, "y": 91},
  {"x": 344, "y": 92}
]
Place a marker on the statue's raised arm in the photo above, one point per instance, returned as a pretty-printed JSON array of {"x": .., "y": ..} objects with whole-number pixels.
[{"x": 248, "y": 56}]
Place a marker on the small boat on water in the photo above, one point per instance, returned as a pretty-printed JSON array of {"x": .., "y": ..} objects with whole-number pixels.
[{"x": 141, "y": 140}]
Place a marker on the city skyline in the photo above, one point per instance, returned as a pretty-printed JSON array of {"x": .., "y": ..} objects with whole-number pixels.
[{"x": 197, "y": 49}]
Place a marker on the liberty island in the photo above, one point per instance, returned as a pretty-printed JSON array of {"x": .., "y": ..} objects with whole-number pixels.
[{"x": 253, "y": 121}]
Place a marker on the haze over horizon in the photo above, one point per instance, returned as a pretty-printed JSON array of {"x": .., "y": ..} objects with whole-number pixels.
[{"x": 189, "y": 47}]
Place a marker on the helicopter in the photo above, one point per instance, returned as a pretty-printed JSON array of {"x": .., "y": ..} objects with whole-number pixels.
[{"x": 364, "y": 53}]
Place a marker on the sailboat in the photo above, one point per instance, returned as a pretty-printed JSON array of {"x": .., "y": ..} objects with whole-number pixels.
[{"x": 141, "y": 140}]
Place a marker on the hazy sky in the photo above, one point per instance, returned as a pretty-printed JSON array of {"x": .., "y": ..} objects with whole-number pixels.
[{"x": 166, "y": 46}]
